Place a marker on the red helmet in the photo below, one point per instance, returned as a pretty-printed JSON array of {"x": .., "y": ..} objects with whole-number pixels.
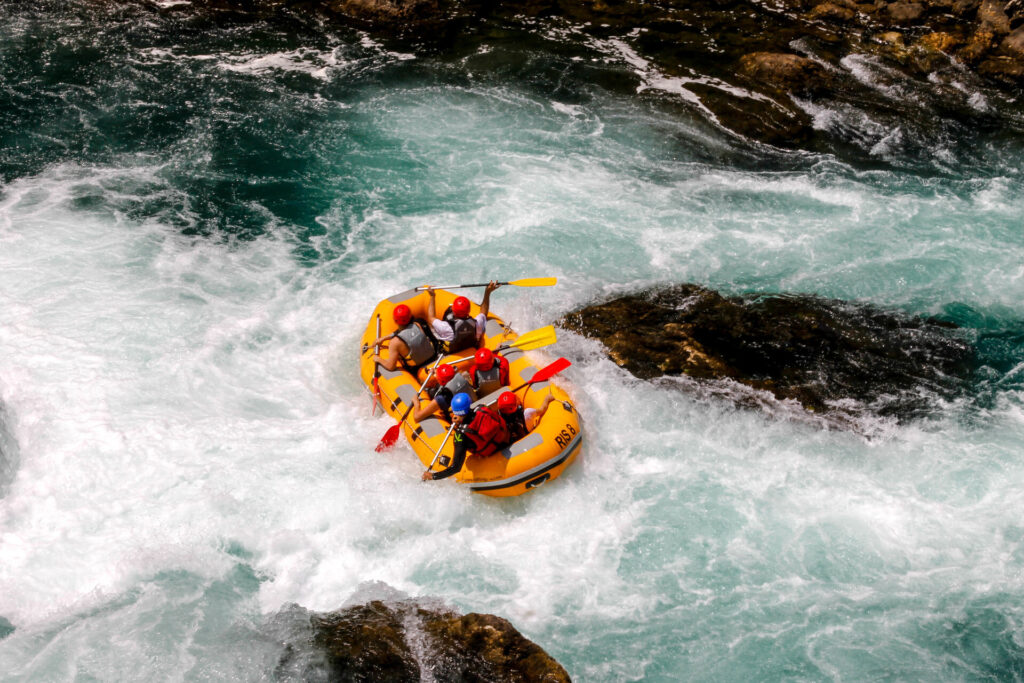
[
  {"x": 507, "y": 402},
  {"x": 445, "y": 373},
  {"x": 484, "y": 359},
  {"x": 402, "y": 314},
  {"x": 460, "y": 307}
]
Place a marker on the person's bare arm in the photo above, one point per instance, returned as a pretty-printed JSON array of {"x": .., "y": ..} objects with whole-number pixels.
[
  {"x": 396, "y": 350},
  {"x": 432, "y": 307},
  {"x": 485, "y": 305},
  {"x": 423, "y": 410}
]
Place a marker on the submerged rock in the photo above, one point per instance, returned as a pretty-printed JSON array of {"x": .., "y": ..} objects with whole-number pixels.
[
  {"x": 402, "y": 640},
  {"x": 822, "y": 353}
]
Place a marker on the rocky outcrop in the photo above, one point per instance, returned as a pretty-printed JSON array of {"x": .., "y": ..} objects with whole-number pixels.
[
  {"x": 390, "y": 13},
  {"x": 753, "y": 58},
  {"x": 786, "y": 72},
  {"x": 405, "y": 640},
  {"x": 827, "y": 355}
]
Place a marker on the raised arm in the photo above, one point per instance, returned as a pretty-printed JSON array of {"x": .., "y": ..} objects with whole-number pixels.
[
  {"x": 485, "y": 305},
  {"x": 432, "y": 307}
]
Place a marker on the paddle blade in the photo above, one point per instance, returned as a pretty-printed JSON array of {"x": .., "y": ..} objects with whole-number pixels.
[
  {"x": 550, "y": 370},
  {"x": 535, "y": 338},
  {"x": 389, "y": 439},
  {"x": 535, "y": 282}
]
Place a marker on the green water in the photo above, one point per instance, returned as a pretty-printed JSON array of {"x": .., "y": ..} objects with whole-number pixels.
[{"x": 196, "y": 217}]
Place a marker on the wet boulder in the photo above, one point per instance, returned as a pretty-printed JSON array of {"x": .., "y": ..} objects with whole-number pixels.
[
  {"x": 387, "y": 12},
  {"x": 788, "y": 72},
  {"x": 408, "y": 640},
  {"x": 827, "y": 355},
  {"x": 904, "y": 12}
]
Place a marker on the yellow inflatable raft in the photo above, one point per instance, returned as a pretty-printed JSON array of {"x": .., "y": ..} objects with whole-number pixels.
[{"x": 540, "y": 456}]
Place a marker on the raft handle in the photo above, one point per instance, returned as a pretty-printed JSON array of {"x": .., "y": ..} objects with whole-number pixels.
[{"x": 538, "y": 481}]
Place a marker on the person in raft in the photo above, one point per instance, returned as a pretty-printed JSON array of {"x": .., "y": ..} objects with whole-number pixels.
[
  {"x": 520, "y": 421},
  {"x": 478, "y": 432},
  {"x": 455, "y": 330},
  {"x": 412, "y": 346},
  {"x": 489, "y": 372},
  {"x": 448, "y": 384}
]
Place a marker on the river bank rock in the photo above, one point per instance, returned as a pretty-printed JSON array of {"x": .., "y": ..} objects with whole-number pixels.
[
  {"x": 403, "y": 640},
  {"x": 387, "y": 11},
  {"x": 827, "y": 355},
  {"x": 746, "y": 65}
]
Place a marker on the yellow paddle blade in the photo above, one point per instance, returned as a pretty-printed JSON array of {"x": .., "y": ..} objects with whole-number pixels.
[
  {"x": 535, "y": 339},
  {"x": 535, "y": 282}
]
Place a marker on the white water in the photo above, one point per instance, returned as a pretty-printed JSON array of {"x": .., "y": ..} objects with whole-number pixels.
[{"x": 194, "y": 449}]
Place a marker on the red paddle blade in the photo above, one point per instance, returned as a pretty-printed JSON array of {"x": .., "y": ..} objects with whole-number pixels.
[
  {"x": 389, "y": 438},
  {"x": 550, "y": 370}
]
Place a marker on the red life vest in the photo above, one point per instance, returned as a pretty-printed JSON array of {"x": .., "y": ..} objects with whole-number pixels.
[{"x": 487, "y": 431}]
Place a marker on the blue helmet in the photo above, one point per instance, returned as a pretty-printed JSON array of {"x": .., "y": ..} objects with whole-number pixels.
[{"x": 461, "y": 403}]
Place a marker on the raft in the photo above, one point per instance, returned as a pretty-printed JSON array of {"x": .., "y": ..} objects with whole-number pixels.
[{"x": 541, "y": 456}]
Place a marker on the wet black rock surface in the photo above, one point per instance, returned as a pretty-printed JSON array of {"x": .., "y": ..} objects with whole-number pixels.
[
  {"x": 405, "y": 640},
  {"x": 936, "y": 70},
  {"x": 828, "y": 355}
]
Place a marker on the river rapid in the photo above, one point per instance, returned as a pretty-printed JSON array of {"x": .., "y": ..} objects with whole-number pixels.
[{"x": 197, "y": 216}]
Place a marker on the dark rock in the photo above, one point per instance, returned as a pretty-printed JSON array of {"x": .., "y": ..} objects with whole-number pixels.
[
  {"x": 401, "y": 640},
  {"x": 483, "y": 647},
  {"x": 386, "y": 11},
  {"x": 820, "y": 352},
  {"x": 1004, "y": 69},
  {"x": 940, "y": 41},
  {"x": 711, "y": 37},
  {"x": 767, "y": 121},
  {"x": 978, "y": 45},
  {"x": 1013, "y": 44},
  {"x": 1015, "y": 11},
  {"x": 966, "y": 7},
  {"x": 366, "y": 640},
  {"x": 833, "y": 11},
  {"x": 788, "y": 72},
  {"x": 893, "y": 38},
  {"x": 992, "y": 16},
  {"x": 904, "y": 12}
]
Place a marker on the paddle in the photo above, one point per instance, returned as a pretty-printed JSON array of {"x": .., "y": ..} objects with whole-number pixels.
[
  {"x": 441, "y": 447},
  {"x": 524, "y": 282},
  {"x": 376, "y": 376},
  {"x": 545, "y": 373},
  {"x": 391, "y": 436},
  {"x": 527, "y": 341}
]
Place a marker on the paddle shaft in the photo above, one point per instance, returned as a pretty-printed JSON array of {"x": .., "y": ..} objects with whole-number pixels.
[
  {"x": 376, "y": 374},
  {"x": 525, "y": 282},
  {"x": 440, "y": 448}
]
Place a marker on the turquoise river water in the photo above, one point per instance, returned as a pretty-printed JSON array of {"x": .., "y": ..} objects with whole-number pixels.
[{"x": 197, "y": 218}]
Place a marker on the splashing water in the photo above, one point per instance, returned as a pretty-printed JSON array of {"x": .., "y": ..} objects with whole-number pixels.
[{"x": 195, "y": 221}]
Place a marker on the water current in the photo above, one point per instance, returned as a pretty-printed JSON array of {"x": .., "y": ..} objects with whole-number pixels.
[{"x": 197, "y": 216}]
